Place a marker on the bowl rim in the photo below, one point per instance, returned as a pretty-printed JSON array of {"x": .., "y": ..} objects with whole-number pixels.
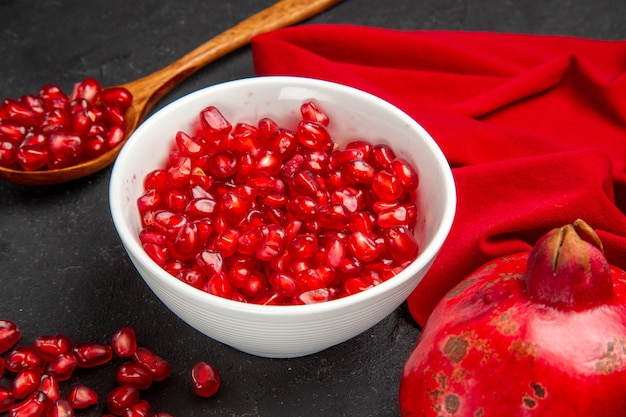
[{"x": 130, "y": 242}]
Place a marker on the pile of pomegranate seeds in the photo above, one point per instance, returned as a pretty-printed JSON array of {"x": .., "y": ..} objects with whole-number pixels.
[
  {"x": 269, "y": 214},
  {"x": 54, "y": 130},
  {"x": 38, "y": 370}
]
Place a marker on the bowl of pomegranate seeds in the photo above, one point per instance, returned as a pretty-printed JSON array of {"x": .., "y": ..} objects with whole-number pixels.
[{"x": 281, "y": 215}]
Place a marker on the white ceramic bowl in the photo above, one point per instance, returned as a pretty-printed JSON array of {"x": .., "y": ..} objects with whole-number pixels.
[{"x": 285, "y": 331}]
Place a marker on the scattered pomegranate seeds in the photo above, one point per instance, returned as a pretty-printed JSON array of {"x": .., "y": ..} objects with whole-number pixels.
[
  {"x": 124, "y": 342},
  {"x": 81, "y": 396},
  {"x": 270, "y": 214},
  {"x": 206, "y": 380},
  {"x": 9, "y": 335},
  {"x": 53, "y": 130},
  {"x": 35, "y": 389}
]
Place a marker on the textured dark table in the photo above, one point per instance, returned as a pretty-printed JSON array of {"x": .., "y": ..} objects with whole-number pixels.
[{"x": 62, "y": 267}]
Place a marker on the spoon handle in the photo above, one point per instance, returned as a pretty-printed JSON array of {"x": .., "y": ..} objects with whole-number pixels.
[{"x": 152, "y": 87}]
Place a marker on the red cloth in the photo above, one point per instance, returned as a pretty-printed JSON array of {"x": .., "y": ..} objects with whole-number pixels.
[{"x": 534, "y": 127}]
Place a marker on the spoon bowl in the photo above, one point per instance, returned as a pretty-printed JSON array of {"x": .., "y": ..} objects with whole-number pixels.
[{"x": 150, "y": 89}]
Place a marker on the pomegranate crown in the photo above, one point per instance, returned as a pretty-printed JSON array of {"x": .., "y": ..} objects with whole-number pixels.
[{"x": 567, "y": 269}]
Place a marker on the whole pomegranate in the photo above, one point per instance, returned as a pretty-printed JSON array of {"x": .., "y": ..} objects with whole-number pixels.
[{"x": 535, "y": 334}]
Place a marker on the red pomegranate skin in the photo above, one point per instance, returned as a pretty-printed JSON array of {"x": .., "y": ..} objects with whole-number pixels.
[{"x": 488, "y": 349}]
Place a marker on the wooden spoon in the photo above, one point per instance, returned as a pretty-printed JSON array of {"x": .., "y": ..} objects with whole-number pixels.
[{"x": 148, "y": 90}]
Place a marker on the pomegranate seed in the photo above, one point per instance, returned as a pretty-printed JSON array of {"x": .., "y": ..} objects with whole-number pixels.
[
  {"x": 274, "y": 244},
  {"x": 341, "y": 157},
  {"x": 8, "y": 152},
  {"x": 268, "y": 162},
  {"x": 161, "y": 414},
  {"x": 81, "y": 396},
  {"x": 387, "y": 186},
  {"x": 122, "y": 397},
  {"x": 347, "y": 198},
  {"x": 176, "y": 200},
  {"x": 35, "y": 104},
  {"x": 364, "y": 146},
  {"x": 24, "y": 357},
  {"x": 333, "y": 216},
  {"x": 159, "y": 368},
  {"x": 12, "y": 131},
  {"x": 35, "y": 405},
  {"x": 133, "y": 373},
  {"x": 284, "y": 284},
  {"x": 234, "y": 206},
  {"x": 335, "y": 252},
  {"x": 150, "y": 200},
  {"x": 116, "y": 96},
  {"x": 62, "y": 367},
  {"x": 205, "y": 379},
  {"x": 124, "y": 342},
  {"x": 249, "y": 240},
  {"x": 401, "y": 243},
  {"x": 51, "y": 346},
  {"x": 169, "y": 223},
  {"x": 95, "y": 145},
  {"x": 363, "y": 247},
  {"x": 115, "y": 135},
  {"x": 218, "y": 285},
  {"x": 88, "y": 89},
  {"x": 192, "y": 277},
  {"x": 284, "y": 142},
  {"x": 6, "y": 399},
  {"x": 60, "y": 408},
  {"x": 33, "y": 157},
  {"x": 381, "y": 157},
  {"x": 10, "y": 334},
  {"x": 311, "y": 111},
  {"x": 303, "y": 246},
  {"x": 1, "y": 366},
  {"x": 179, "y": 174},
  {"x": 50, "y": 92},
  {"x": 314, "y": 296},
  {"x": 188, "y": 145},
  {"x": 405, "y": 173},
  {"x": 308, "y": 279},
  {"x": 65, "y": 145},
  {"x": 49, "y": 385},
  {"x": 25, "y": 382},
  {"x": 15, "y": 111},
  {"x": 313, "y": 135},
  {"x": 214, "y": 123},
  {"x": 140, "y": 409},
  {"x": 115, "y": 116},
  {"x": 316, "y": 161},
  {"x": 91, "y": 354},
  {"x": 55, "y": 120},
  {"x": 305, "y": 182},
  {"x": 401, "y": 215},
  {"x": 358, "y": 172},
  {"x": 355, "y": 285},
  {"x": 265, "y": 128},
  {"x": 81, "y": 121},
  {"x": 211, "y": 261},
  {"x": 159, "y": 254},
  {"x": 224, "y": 164},
  {"x": 254, "y": 285}
]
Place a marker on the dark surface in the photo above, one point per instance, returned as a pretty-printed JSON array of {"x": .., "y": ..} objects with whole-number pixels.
[{"x": 62, "y": 267}]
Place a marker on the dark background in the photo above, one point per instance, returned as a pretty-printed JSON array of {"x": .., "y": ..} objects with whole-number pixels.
[{"x": 62, "y": 266}]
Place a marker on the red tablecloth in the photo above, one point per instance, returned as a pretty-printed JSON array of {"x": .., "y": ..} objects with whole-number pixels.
[{"x": 534, "y": 127}]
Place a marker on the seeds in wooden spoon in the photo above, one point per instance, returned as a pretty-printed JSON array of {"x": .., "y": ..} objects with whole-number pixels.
[{"x": 52, "y": 129}]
